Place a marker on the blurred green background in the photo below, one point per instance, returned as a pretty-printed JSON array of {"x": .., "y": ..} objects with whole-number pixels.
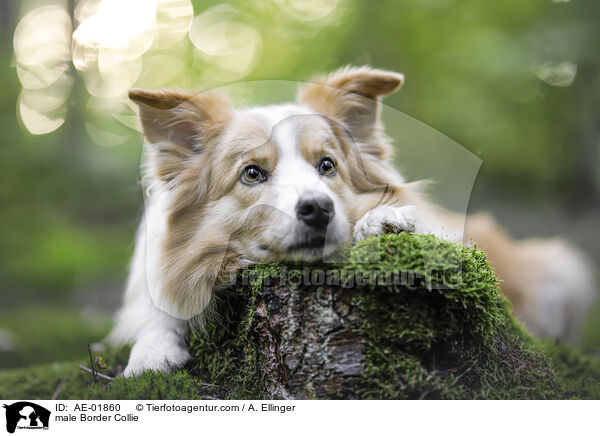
[{"x": 515, "y": 82}]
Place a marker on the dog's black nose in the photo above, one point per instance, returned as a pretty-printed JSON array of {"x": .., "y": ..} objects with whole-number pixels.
[{"x": 315, "y": 209}]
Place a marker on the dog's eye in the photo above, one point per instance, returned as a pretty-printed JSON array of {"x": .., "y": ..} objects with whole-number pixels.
[
  {"x": 327, "y": 167},
  {"x": 253, "y": 174}
]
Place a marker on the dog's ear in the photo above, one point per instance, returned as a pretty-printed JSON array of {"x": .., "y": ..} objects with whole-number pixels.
[
  {"x": 179, "y": 125},
  {"x": 351, "y": 96},
  {"x": 181, "y": 118}
]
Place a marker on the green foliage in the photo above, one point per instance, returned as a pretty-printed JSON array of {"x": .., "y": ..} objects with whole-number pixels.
[{"x": 444, "y": 336}]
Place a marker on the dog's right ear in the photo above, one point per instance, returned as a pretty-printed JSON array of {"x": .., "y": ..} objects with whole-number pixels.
[
  {"x": 179, "y": 125},
  {"x": 181, "y": 118}
]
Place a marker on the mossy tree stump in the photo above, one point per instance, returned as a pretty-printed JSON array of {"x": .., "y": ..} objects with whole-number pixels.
[{"x": 442, "y": 331}]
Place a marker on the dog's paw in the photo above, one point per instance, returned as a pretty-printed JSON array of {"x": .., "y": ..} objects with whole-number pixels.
[
  {"x": 386, "y": 219},
  {"x": 146, "y": 355}
]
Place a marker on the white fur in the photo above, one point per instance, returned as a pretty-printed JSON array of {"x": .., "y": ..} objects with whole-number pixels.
[
  {"x": 560, "y": 290},
  {"x": 157, "y": 337},
  {"x": 403, "y": 218},
  {"x": 294, "y": 177}
]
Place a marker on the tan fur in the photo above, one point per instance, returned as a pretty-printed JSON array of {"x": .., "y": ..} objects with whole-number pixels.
[
  {"x": 202, "y": 144},
  {"x": 532, "y": 271},
  {"x": 349, "y": 100},
  {"x": 350, "y": 96}
]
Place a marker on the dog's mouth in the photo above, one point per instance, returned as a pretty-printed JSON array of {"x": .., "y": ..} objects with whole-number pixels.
[
  {"x": 303, "y": 246},
  {"x": 308, "y": 241}
]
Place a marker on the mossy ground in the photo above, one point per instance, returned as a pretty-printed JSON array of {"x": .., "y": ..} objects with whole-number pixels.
[
  {"x": 47, "y": 334},
  {"x": 449, "y": 335}
]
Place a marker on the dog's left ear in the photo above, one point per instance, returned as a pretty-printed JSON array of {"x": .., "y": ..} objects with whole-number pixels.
[{"x": 351, "y": 96}]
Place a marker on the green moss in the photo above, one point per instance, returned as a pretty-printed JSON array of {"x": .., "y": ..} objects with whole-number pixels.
[
  {"x": 577, "y": 374},
  {"x": 432, "y": 341},
  {"x": 443, "y": 331},
  {"x": 152, "y": 385},
  {"x": 42, "y": 381}
]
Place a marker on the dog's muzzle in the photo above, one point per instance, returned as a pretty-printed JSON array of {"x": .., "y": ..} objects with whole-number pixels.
[
  {"x": 314, "y": 212},
  {"x": 315, "y": 209}
]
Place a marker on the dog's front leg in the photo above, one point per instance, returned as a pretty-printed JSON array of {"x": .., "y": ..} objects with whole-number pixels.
[
  {"x": 385, "y": 218},
  {"x": 158, "y": 338}
]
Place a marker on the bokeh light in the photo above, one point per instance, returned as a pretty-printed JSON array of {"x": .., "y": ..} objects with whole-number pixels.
[
  {"x": 557, "y": 74},
  {"x": 42, "y": 54},
  {"x": 38, "y": 122},
  {"x": 105, "y": 42},
  {"x": 160, "y": 69},
  {"x": 106, "y": 121},
  {"x": 41, "y": 45},
  {"x": 110, "y": 46},
  {"x": 173, "y": 21},
  {"x": 229, "y": 47},
  {"x": 309, "y": 10}
]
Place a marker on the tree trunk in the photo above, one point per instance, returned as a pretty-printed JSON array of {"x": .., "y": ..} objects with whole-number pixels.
[{"x": 308, "y": 341}]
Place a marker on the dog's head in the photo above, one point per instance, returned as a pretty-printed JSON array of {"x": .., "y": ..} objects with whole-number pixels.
[{"x": 266, "y": 183}]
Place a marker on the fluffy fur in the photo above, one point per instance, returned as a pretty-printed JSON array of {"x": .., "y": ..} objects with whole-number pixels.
[{"x": 204, "y": 220}]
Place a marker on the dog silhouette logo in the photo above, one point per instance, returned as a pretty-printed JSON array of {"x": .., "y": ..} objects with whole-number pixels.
[{"x": 26, "y": 415}]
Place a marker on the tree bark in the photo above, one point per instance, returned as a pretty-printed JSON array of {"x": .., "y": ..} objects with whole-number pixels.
[{"x": 308, "y": 341}]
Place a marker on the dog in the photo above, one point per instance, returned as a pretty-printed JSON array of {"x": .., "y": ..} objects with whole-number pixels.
[{"x": 296, "y": 181}]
